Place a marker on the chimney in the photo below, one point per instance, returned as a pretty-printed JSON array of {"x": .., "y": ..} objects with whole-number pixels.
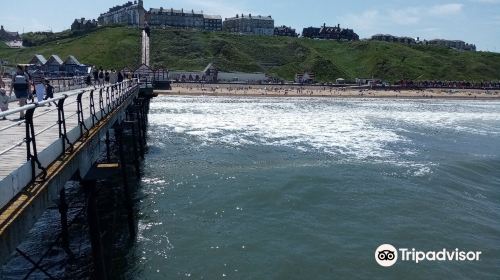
[
  {"x": 250, "y": 15},
  {"x": 324, "y": 25},
  {"x": 338, "y": 26},
  {"x": 1, "y": 28}
]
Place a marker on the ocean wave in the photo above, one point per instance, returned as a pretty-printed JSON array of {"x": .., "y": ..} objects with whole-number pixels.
[{"x": 361, "y": 129}]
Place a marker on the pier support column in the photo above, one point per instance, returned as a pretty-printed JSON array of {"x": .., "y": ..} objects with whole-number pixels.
[
  {"x": 132, "y": 125},
  {"x": 126, "y": 188},
  {"x": 63, "y": 210},
  {"x": 94, "y": 231},
  {"x": 108, "y": 148}
]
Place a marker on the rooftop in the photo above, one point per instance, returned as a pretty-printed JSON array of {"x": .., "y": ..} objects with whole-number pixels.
[{"x": 249, "y": 16}]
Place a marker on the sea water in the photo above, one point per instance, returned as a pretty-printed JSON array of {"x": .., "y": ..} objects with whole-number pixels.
[{"x": 308, "y": 188}]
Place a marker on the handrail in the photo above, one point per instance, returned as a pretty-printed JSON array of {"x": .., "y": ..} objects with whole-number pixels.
[
  {"x": 42, "y": 103},
  {"x": 119, "y": 93}
]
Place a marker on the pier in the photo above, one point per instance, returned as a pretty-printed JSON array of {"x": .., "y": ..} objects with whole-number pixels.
[{"x": 53, "y": 145}]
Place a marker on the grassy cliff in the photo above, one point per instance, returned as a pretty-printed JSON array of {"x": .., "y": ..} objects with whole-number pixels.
[
  {"x": 283, "y": 57},
  {"x": 111, "y": 47},
  {"x": 117, "y": 47}
]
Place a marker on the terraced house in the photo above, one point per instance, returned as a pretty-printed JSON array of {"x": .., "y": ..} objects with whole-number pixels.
[
  {"x": 330, "y": 33},
  {"x": 130, "y": 13},
  {"x": 248, "y": 24},
  {"x": 182, "y": 19}
]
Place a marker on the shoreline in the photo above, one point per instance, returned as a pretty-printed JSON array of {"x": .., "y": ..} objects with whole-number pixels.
[{"x": 372, "y": 94}]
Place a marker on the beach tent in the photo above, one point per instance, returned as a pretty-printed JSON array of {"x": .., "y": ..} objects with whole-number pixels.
[
  {"x": 38, "y": 62},
  {"x": 54, "y": 64},
  {"x": 74, "y": 67}
]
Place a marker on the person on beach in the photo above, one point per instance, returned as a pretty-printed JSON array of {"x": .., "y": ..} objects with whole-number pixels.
[
  {"x": 20, "y": 86},
  {"x": 4, "y": 101}
]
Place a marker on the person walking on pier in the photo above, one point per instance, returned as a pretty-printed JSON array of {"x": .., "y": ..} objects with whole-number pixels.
[
  {"x": 21, "y": 87},
  {"x": 49, "y": 92},
  {"x": 39, "y": 84},
  {"x": 120, "y": 77},
  {"x": 101, "y": 78},
  {"x": 95, "y": 73},
  {"x": 113, "y": 77},
  {"x": 106, "y": 77}
]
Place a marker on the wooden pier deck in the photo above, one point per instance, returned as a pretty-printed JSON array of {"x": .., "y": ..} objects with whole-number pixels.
[{"x": 45, "y": 120}]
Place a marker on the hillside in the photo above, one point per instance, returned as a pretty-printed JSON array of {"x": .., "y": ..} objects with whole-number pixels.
[
  {"x": 283, "y": 57},
  {"x": 111, "y": 47},
  {"x": 117, "y": 47}
]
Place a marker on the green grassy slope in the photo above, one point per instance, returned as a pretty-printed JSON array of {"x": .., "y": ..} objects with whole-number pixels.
[
  {"x": 283, "y": 57},
  {"x": 117, "y": 47},
  {"x": 112, "y": 47}
]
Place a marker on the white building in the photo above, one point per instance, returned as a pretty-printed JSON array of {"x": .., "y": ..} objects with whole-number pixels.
[
  {"x": 130, "y": 13},
  {"x": 248, "y": 24}
]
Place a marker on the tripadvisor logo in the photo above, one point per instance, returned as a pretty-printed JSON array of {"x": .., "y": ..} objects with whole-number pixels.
[{"x": 387, "y": 255}]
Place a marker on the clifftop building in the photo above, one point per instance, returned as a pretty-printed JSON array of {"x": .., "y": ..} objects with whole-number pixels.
[
  {"x": 248, "y": 24},
  {"x": 83, "y": 24},
  {"x": 330, "y": 33},
  {"x": 394, "y": 39},
  {"x": 183, "y": 19},
  {"x": 452, "y": 44},
  {"x": 130, "y": 13},
  {"x": 8, "y": 36},
  {"x": 285, "y": 31}
]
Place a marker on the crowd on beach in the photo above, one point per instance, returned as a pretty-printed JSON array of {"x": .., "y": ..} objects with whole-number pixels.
[
  {"x": 310, "y": 90},
  {"x": 449, "y": 84}
]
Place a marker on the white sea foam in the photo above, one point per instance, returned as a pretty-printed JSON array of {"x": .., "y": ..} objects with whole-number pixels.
[{"x": 355, "y": 128}]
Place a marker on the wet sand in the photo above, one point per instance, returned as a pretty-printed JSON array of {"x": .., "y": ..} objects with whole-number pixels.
[{"x": 308, "y": 91}]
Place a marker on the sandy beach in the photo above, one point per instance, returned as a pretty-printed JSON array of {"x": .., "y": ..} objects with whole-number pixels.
[{"x": 307, "y": 91}]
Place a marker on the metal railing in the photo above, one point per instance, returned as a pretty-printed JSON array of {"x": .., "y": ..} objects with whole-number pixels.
[{"x": 91, "y": 106}]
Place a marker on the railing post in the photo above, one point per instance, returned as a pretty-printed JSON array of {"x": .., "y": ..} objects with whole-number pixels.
[
  {"x": 101, "y": 103},
  {"x": 79, "y": 111},
  {"x": 62, "y": 125},
  {"x": 113, "y": 100},
  {"x": 92, "y": 108},
  {"x": 108, "y": 101},
  {"x": 31, "y": 150}
]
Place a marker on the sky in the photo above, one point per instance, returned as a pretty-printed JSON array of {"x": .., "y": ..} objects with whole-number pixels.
[{"x": 473, "y": 21}]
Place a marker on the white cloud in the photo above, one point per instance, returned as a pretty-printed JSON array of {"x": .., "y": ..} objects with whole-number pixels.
[
  {"x": 486, "y": 1},
  {"x": 365, "y": 22},
  {"x": 224, "y": 8},
  {"x": 446, "y": 9},
  {"x": 411, "y": 15}
]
